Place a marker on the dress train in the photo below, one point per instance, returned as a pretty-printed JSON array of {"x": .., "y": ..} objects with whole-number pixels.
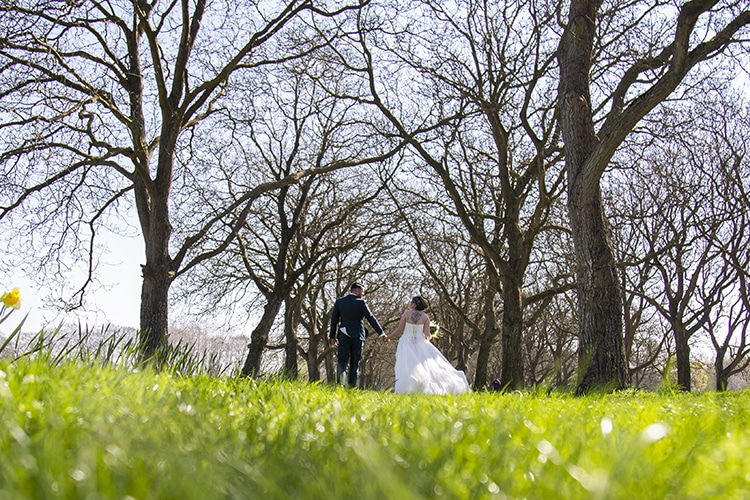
[{"x": 421, "y": 367}]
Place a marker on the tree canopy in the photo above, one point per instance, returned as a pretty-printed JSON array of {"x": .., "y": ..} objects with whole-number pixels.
[{"x": 489, "y": 157}]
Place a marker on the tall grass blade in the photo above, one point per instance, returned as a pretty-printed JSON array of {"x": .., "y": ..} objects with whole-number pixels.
[{"x": 15, "y": 333}]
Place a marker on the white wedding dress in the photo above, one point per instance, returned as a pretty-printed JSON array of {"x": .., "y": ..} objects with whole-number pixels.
[{"x": 421, "y": 367}]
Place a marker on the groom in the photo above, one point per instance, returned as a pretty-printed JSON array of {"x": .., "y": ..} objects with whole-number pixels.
[{"x": 348, "y": 331}]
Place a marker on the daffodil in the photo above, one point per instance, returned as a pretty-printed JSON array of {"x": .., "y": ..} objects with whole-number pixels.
[{"x": 12, "y": 298}]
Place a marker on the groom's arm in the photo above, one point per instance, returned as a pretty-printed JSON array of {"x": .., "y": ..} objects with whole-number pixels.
[{"x": 335, "y": 317}]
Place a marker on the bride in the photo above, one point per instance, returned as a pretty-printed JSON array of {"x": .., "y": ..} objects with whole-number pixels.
[{"x": 420, "y": 366}]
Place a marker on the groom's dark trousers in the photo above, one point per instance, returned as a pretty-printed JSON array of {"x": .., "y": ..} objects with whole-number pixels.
[{"x": 349, "y": 354}]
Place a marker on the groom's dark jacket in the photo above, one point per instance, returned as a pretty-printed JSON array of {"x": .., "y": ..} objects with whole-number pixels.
[{"x": 350, "y": 312}]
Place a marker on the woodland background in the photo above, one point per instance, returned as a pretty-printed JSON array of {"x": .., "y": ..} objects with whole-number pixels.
[{"x": 274, "y": 153}]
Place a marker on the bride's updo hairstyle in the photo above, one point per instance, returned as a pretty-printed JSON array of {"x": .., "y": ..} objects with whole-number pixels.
[{"x": 419, "y": 303}]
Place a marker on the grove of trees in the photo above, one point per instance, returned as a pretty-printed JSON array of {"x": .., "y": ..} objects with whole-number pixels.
[{"x": 565, "y": 182}]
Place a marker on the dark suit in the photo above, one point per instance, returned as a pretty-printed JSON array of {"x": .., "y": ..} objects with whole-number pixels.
[{"x": 349, "y": 313}]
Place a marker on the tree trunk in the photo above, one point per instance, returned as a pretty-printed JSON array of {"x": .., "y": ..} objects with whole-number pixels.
[
  {"x": 259, "y": 337},
  {"x": 330, "y": 364},
  {"x": 682, "y": 357},
  {"x": 512, "y": 271},
  {"x": 291, "y": 367},
  {"x": 483, "y": 356},
  {"x": 513, "y": 363},
  {"x": 721, "y": 380},
  {"x": 512, "y": 279},
  {"x": 313, "y": 361},
  {"x": 487, "y": 339},
  {"x": 154, "y": 313},
  {"x": 601, "y": 356},
  {"x": 461, "y": 347},
  {"x": 158, "y": 272},
  {"x": 152, "y": 202}
]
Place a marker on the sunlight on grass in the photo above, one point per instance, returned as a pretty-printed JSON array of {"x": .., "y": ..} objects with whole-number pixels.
[
  {"x": 76, "y": 430},
  {"x": 83, "y": 419}
]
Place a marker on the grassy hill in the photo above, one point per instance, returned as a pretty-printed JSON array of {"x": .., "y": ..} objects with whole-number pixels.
[{"x": 80, "y": 430}]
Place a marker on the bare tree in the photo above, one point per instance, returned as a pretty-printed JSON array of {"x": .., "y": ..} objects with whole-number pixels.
[
  {"x": 647, "y": 80},
  {"x": 450, "y": 272},
  {"x": 289, "y": 260},
  {"x": 550, "y": 343},
  {"x": 681, "y": 260},
  {"x": 673, "y": 206},
  {"x": 729, "y": 330},
  {"x": 98, "y": 98},
  {"x": 485, "y": 126},
  {"x": 313, "y": 346},
  {"x": 551, "y": 336},
  {"x": 727, "y": 158},
  {"x": 643, "y": 337}
]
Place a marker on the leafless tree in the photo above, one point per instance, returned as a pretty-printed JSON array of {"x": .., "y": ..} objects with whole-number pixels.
[
  {"x": 451, "y": 272},
  {"x": 728, "y": 330},
  {"x": 551, "y": 337},
  {"x": 630, "y": 89},
  {"x": 98, "y": 100},
  {"x": 726, "y": 166},
  {"x": 673, "y": 210},
  {"x": 550, "y": 343},
  {"x": 480, "y": 116}
]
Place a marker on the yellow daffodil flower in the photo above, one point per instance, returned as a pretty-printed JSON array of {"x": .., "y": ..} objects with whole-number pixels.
[{"x": 12, "y": 298}]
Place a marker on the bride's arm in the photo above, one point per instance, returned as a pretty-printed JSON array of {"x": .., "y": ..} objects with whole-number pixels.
[
  {"x": 427, "y": 333},
  {"x": 399, "y": 329}
]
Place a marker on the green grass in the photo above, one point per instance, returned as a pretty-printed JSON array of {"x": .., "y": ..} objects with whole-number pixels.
[{"x": 73, "y": 429}]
